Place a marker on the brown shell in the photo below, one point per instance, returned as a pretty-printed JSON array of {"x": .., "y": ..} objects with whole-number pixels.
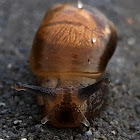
[{"x": 73, "y": 42}]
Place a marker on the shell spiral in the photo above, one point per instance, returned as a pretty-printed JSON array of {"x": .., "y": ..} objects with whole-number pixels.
[{"x": 72, "y": 41}]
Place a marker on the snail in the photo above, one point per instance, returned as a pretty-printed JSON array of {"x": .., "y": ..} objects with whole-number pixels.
[{"x": 69, "y": 55}]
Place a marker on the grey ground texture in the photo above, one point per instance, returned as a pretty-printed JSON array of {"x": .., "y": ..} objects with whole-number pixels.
[{"x": 19, "y": 114}]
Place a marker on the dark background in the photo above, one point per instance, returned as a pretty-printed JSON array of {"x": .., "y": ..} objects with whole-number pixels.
[{"x": 19, "y": 115}]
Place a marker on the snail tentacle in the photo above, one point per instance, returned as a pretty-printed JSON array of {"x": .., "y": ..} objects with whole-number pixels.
[
  {"x": 38, "y": 90},
  {"x": 86, "y": 92}
]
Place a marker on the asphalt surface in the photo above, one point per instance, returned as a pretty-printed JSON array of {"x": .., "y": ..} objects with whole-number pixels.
[{"x": 19, "y": 114}]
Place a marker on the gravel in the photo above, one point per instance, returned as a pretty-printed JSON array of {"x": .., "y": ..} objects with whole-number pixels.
[{"x": 20, "y": 117}]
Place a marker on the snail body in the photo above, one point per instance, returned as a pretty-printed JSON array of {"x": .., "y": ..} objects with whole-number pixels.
[{"x": 70, "y": 52}]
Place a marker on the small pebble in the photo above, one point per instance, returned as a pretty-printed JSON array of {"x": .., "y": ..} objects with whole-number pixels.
[
  {"x": 30, "y": 117},
  {"x": 89, "y": 133},
  {"x": 23, "y": 139},
  {"x": 113, "y": 132},
  {"x": 114, "y": 122},
  {"x": 9, "y": 66},
  {"x": 56, "y": 138},
  {"x": 17, "y": 121},
  {"x": 2, "y": 104},
  {"x": 118, "y": 82}
]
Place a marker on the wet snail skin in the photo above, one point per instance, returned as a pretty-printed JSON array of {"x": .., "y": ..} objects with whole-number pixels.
[{"x": 69, "y": 55}]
